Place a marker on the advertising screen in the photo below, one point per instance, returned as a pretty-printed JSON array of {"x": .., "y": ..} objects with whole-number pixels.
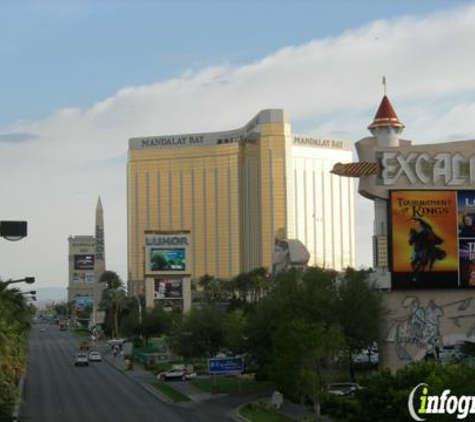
[
  {"x": 82, "y": 301},
  {"x": 431, "y": 239},
  {"x": 168, "y": 288},
  {"x": 167, "y": 259},
  {"x": 83, "y": 262}
]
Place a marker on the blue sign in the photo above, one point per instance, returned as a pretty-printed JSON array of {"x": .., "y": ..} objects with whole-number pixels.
[{"x": 225, "y": 365}]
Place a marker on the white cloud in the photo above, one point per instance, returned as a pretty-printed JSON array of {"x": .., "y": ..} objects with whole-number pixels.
[{"x": 77, "y": 154}]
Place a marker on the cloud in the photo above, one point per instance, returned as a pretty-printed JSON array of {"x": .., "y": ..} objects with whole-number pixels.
[
  {"x": 17, "y": 138},
  {"x": 327, "y": 86}
]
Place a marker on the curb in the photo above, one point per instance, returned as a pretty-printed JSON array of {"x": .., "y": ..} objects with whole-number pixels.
[
  {"x": 145, "y": 386},
  {"x": 243, "y": 418}
]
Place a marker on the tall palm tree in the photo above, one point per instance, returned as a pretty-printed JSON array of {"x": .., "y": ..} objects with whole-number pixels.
[{"x": 112, "y": 300}]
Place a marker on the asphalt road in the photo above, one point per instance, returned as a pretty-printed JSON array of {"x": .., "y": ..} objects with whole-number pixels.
[{"x": 58, "y": 391}]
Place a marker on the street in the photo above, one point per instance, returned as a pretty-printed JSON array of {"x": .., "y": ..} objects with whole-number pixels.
[{"x": 56, "y": 390}]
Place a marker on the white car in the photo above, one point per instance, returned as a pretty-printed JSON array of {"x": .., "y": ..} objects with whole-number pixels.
[
  {"x": 176, "y": 374},
  {"x": 95, "y": 357},
  {"x": 81, "y": 359},
  {"x": 345, "y": 389}
]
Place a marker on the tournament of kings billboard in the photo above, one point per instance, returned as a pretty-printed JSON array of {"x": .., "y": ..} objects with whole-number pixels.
[{"x": 432, "y": 238}]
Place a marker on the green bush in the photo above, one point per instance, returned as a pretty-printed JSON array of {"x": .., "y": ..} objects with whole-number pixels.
[
  {"x": 262, "y": 406},
  {"x": 341, "y": 408}
]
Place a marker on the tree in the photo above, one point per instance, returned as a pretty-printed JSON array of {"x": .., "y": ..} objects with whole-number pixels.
[
  {"x": 15, "y": 320},
  {"x": 155, "y": 322},
  {"x": 200, "y": 333},
  {"x": 215, "y": 291},
  {"x": 308, "y": 296},
  {"x": 112, "y": 300},
  {"x": 384, "y": 396},
  {"x": 234, "y": 338},
  {"x": 359, "y": 310},
  {"x": 302, "y": 357}
]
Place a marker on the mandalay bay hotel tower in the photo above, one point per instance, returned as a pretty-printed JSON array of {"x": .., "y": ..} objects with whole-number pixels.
[{"x": 233, "y": 194}]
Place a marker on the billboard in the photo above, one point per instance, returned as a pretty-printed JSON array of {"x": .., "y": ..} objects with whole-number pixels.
[
  {"x": 167, "y": 253},
  {"x": 82, "y": 301},
  {"x": 83, "y": 262},
  {"x": 167, "y": 259},
  {"x": 431, "y": 234},
  {"x": 168, "y": 288}
]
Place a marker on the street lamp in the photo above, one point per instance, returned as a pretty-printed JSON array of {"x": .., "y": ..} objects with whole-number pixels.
[
  {"x": 4, "y": 284},
  {"x": 13, "y": 230},
  {"x": 31, "y": 292},
  {"x": 27, "y": 280}
]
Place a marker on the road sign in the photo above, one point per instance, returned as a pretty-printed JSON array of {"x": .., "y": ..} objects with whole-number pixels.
[{"x": 225, "y": 365}]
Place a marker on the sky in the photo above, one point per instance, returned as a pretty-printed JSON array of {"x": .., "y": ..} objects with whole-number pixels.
[{"x": 79, "y": 78}]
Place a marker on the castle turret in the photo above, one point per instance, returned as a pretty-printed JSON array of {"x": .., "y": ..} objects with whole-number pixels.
[{"x": 386, "y": 127}]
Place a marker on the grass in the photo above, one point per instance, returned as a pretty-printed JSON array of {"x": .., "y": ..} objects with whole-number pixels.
[
  {"x": 80, "y": 331},
  {"x": 174, "y": 395},
  {"x": 256, "y": 415},
  {"x": 230, "y": 385}
]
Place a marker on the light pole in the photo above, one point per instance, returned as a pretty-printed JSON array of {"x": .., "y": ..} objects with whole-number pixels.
[
  {"x": 13, "y": 230},
  {"x": 140, "y": 309},
  {"x": 27, "y": 280},
  {"x": 31, "y": 292}
]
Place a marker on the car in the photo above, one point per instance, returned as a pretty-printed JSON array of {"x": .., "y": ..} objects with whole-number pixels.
[
  {"x": 81, "y": 359},
  {"x": 116, "y": 342},
  {"x": 343, "y": 389},
  {"x": 95, "y": 357},
  {"x": 176, "y": 374},
  {"x": 43, "y": 330}
]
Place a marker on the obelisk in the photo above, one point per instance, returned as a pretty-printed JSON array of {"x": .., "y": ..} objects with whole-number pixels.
[{"x": 99, "y": 257}]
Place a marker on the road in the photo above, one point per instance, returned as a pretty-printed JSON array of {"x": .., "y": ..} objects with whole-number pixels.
[{"x": 58, "y": 391}]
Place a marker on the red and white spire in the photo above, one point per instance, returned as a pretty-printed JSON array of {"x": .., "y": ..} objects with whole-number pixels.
[{"x": 386, "y": 127}]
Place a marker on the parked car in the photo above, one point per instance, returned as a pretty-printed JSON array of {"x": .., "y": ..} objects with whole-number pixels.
[
  {"x": 344, "y": 389},
  {"x": 176, "y": 374},
  {"x": 95, "y": 357},
  {"x": 81, "y": 359},
  {"x": 367, "y": 356}
]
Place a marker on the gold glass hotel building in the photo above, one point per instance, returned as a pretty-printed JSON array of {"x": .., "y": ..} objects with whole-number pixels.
[{"x": 236, "y": 192}]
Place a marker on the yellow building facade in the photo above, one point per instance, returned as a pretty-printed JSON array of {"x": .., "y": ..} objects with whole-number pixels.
[{"x": 236, "y": 192}]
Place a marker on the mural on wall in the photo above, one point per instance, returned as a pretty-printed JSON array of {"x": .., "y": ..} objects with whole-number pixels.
[{"x": 421, "y": 331}]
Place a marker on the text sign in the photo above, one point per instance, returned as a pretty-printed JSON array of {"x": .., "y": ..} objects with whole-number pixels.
[{"x": 225, "y": 365}]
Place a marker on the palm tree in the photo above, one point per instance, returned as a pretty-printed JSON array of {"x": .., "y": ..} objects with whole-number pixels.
[{"x": 112, "y": 300}]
